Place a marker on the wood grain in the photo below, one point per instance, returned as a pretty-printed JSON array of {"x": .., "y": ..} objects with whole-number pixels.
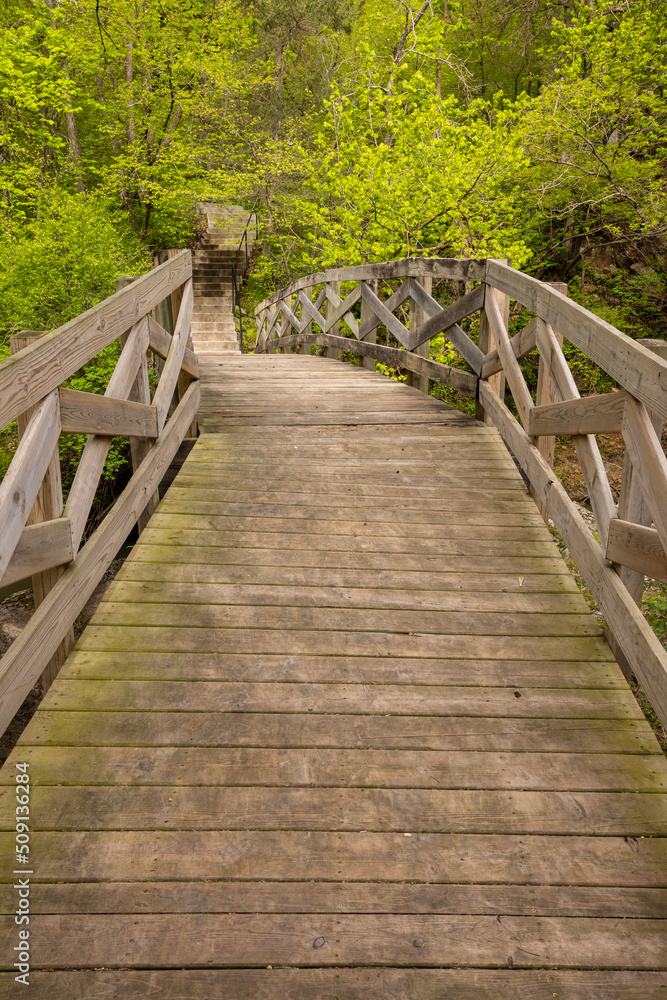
[
  {"x": 40, "y": 547},
  {"x": 89, "y": 413},
  {"x": 23, "y": 478},
  {"x": 637, "y": 547},
  {"x": 337, "y": 716}
]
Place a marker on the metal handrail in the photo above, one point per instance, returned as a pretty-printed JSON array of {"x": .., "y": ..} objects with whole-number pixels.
[{"x": 235, "y": 295}]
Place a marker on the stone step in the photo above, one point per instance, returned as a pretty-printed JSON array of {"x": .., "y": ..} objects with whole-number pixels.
[
  {"x": 229, "y": 247},
  {"x": 220, "y": 262},
  {"x": 225, "y": 249},
  {"x": 211, "y": 282},
  {"x": 214, "y": 330},
  {"x": 214, "y": 294},
  {"x": 203, "y": 346},
  {"x": 223, "y": 331},
  {"x": 206, "y": 345},
  {"x": 212, "y": 274},
  {"x": 223, "y": 338},
  {"x": 210, "y": 264},
  {"x": 215, "y": 269},
  {"x": 218, "y": 254},
  {"x": 214, "y": 321},
  {"x": 212, "y": 316},
  {"x": 215, "y": 350},
  {"x": 223, "y": 326}
]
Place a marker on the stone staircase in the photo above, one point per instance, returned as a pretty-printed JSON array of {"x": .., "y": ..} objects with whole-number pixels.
[{"x": 213, "y": 327}]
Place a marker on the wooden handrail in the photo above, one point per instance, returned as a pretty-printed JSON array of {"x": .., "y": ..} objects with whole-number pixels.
[
  {"x": 631, "y": 538},
  {"x": 45, "y": 542},
  {"x": 27, "y": 377}
]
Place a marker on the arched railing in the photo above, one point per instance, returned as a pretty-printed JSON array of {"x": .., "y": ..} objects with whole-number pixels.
[{"x": 342, "y": 311}]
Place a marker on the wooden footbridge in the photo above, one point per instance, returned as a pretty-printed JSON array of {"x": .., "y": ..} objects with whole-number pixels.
[{"x": 343, "y": 726}]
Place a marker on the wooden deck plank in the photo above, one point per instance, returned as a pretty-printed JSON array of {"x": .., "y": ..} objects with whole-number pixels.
[
  {"x": 366, "y": 598},
  {"x": 173, "y": 616},
  {"x": 135, "y": 665},
  {"x": 341, "y": 699},
  {"x": 304, "y": 490},
  {"x": 186, "y": 508},
  {"x": 251, "y": 855},
  {"x": 226, "y": 767},
  {"x": 261, "y": 523},
  {"x": 414, "y": 585},
  {"x": 467, "y": 544},
  {"x": 379, "y": 732},
  {"x": 344, "y": 708},
  {"x": 306, "y": 940},
  {"x": 339, "y": 897},
  {"x": 128, "y": 807},
  {"x": 344, "y": 643},
  {"x": 172, "y": 547},
  {"x": 343, "y": 984}
]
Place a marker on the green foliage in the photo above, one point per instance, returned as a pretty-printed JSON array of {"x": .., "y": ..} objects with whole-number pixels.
[
  {"x": 596, "y": 135},
  {"x": 394, "y": 373},
  {"x": 63, "y": 262},
  {"x": 632, "y": 301},
  {"x": 367, "y": 130},
  {"x": 53, "y": 269},
  {"x": 393, "y": 173},
  {"x": 654, "y": 606}
]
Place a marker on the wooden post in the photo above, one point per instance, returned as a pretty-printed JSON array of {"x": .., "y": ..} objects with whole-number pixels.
[
  {"x": 308, "y": 329},
  {"x": 285, "y": 326},
  {"x": 139, "y": 393},
  {"x": 366, "y": 313},
  {"x": 184, "y": 379},
  {"x": 417, "y": 317},
  {"x": 176, "y": 297},
  {"x": 487, "y": 343},
  {"x": 633, "y": 507},
  {"x": 162, "y": 311},
  {"x": 331, "y": 352},
  {"x": 546, "y": 393},
  {"x": 48, "y": 506}
]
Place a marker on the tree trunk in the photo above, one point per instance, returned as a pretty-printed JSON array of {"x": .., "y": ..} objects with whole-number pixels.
[
  {"x": 438, "y": 72},
  {"x": 129, "y": 76},
  {"x": 74, "y": 147}
]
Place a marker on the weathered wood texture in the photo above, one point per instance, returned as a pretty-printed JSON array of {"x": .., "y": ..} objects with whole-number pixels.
[
  {"x": 36, "y": 535},
  {"x": 336, "y": 731},
  {"x": 381, "y": 297}
]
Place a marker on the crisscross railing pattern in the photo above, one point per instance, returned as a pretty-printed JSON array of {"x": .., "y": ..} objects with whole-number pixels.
[
  {"x": 40, "y": 537},
  {"x": 631, "y": 540}
]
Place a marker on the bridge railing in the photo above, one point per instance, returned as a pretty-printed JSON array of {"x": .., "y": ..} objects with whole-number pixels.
[
  {"x": 630, "y": 541},
  {"x": 40, "y": 536}
]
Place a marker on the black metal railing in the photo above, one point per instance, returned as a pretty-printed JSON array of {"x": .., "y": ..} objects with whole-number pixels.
[{"x": 236, "y": 299}]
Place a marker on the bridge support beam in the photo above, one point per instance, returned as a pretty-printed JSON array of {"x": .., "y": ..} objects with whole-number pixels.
[
  {"x": 331, "y": 352},
  {"x": 47, "y": 507},
  {"x": 417, "y": 317},
  {"x": 366, "y": 313}
]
